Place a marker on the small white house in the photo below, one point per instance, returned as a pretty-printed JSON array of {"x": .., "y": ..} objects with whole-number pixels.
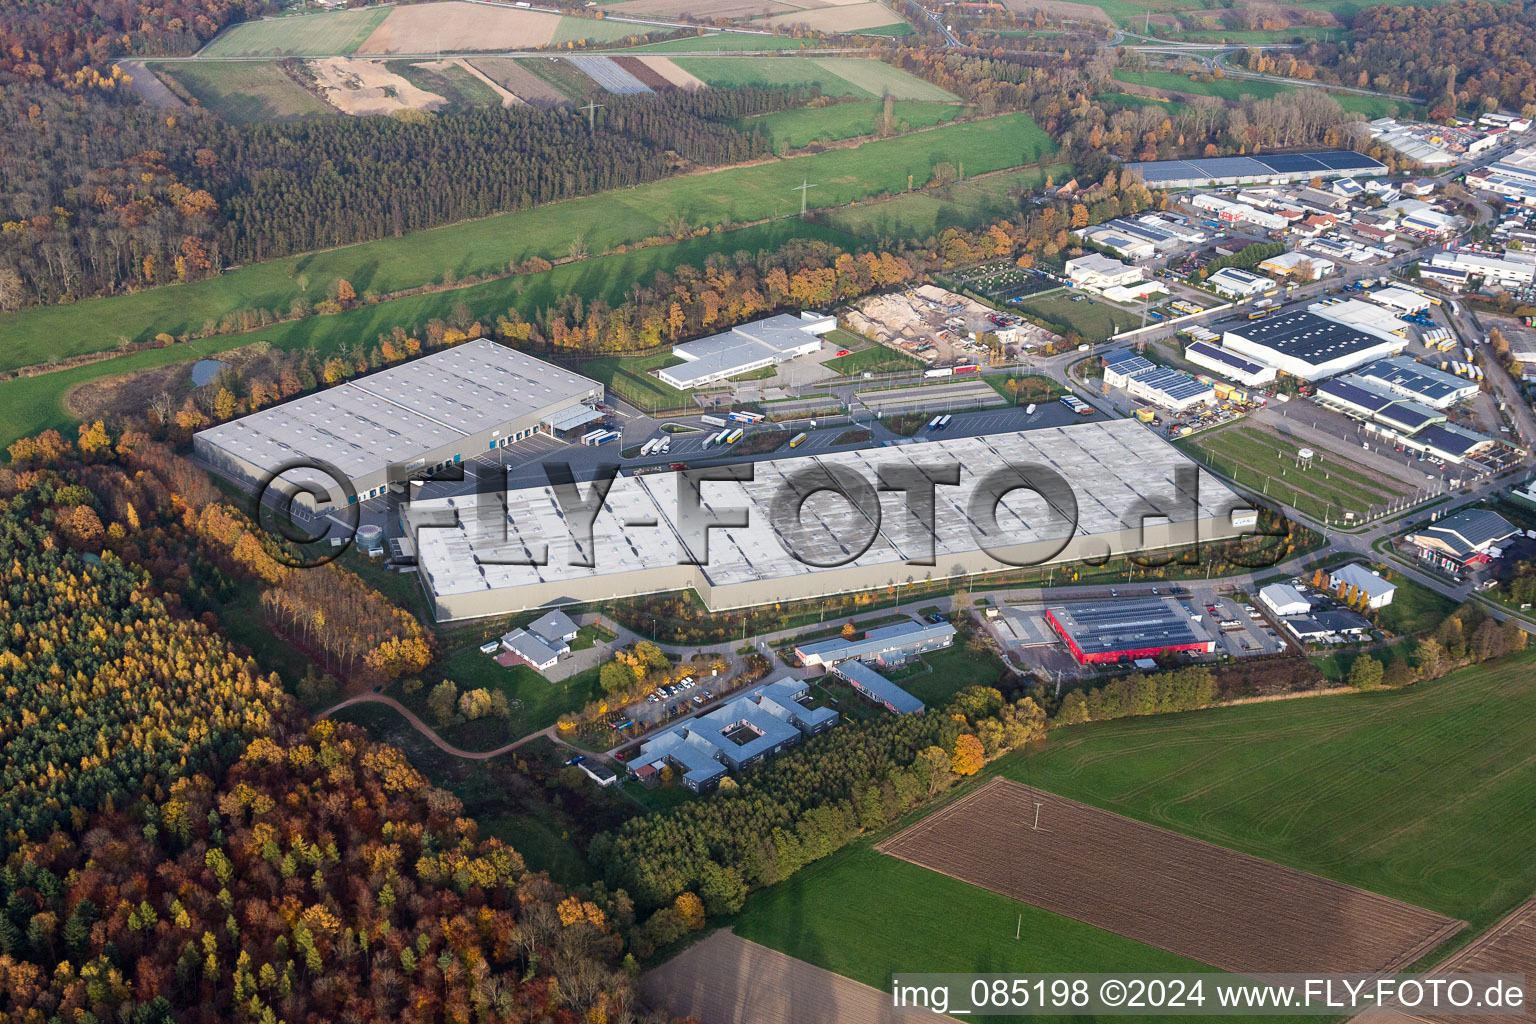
[{"x": 1284, "y": 599}]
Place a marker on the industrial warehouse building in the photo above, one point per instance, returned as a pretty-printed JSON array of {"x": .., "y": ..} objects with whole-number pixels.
[
  {"x": 889, "y": 645},
  {"x": 1239, "y": 284},
  {"x": 1306, "y": 345},
  {"x": 1104, "y": 632},
  {"x": 1229, "y": 364},
  {"x": 1255, "y": 170},
  {"x": 1160, "y": 385},
  {"x": 1418, "y": 382},
  {"x": 423, "y": 415},
  {"x": 746, "y": 348},
  {"x": 1130, "y": 489},
  {"x": 1464, "y": 540}
]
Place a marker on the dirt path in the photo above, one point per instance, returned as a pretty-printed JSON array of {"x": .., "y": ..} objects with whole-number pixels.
[
  {"x": 149, "y": 88},
  {"x": 727, "y": 980},
  {"x": 431, "y": 734}
]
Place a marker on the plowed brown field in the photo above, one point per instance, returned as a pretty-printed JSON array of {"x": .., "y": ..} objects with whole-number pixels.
[
  {"x": 1211, "y": 904},
  {"x": 1509, "y": 947}
]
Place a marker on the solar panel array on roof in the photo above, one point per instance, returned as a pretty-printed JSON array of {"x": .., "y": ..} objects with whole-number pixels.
[
  {"x": 1177, "y": 385},
  {"x": 1353, "y": 395},
  {"x": 1109, "y": 627},
  {"x": 1294, "y": 163},
  {"x": 1127, "y": 363},
  {"x": 1308, "y": 337},
  {"x": 1414, "y": 378},
  {"x": 1410, "y": 416},
  {"x": 1447, "y": 438},
  {"x": 1282, "y": 165},
  {"x": 1224, "y": 357}
]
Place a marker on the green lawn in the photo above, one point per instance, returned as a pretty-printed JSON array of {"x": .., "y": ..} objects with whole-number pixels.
[
  {"x": 1421, "y": 794},
  {"x": 794, "y": 129},
  {"x": 31, "y": 404},
  {"x": 735, "y": 195},
  {"x": 939, "y": 675},
  {"x": 1132, "y": 100},
  {"x": 858, "y": 77},
  {"x": 543, "y": 701},
  {"x": 338, "y": 33},
  {"x": 243, "y": 92},
  {"x": 866, "y": 356},
  {"x": 1414, "y": 608},
  {"x": 630, "y": 378},
  {"x": 1095, "y": 319}
]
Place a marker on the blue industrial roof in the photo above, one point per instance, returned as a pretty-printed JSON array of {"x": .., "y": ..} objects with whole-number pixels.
[
  {"x": 1344, "y": 391},
  {"x": 1224, "y": 357},
  {"x": 1413, "y": 377},
  {"x": 1288, "y": 164},
  {"x": 1176, "y": 384}
]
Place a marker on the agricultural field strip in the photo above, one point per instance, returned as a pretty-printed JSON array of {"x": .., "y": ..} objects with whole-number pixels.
[
  {"x": 1230, "y": 910},
  {"x": 728, "y": 978}
]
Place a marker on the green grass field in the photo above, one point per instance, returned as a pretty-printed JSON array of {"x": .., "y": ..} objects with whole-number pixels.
[
  {"x": 795, "y": 129},
  {"x": 543, "y": 701},
  {"x": 835, "y": 76},
  {"x": 736, "y": 195},
  {"x": 1131, "y": 100},
  {"x": 1237, "y": 88},
  {"x": 965, "y": 204},
  {"x": 1225, "y": 88},
  {"x": 243, "y": 92},
  {"x": 872, "y": 358},
  {"x": 455, "y": 84},
  {"x": 32, "y": 404},
  {"x": 1421, "y": 794},
  {"x": 1414, "y": 608},
  {"x": 598, "y": 30},
  {"x": 937, "y": 676},
  {"x": 867, "y": 916},
  {"x": 1095, "y": 319},
  {"x": 630, "y": 378},
  {"x": 1267, "y": 464},
  {"x": 338, "y": 33}
]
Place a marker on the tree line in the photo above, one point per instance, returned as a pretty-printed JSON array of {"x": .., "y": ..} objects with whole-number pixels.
[{"x": 96, "y": 198}]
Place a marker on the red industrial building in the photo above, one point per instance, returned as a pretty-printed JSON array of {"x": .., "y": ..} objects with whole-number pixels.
[{"x": 1104, "y": 632}]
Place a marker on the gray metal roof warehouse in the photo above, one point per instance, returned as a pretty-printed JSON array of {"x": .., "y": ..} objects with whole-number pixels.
[
  {"x": 441, "y": 408},
  {"x": 1254, "y": 170},
  {"x": 1122, "y": 477}
]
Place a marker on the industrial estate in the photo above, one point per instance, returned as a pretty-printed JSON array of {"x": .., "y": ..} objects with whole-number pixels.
[{"x": 632, "y": 514}]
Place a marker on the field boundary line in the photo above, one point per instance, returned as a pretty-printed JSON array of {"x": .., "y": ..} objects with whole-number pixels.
[{"x": 1446, "y": 928}]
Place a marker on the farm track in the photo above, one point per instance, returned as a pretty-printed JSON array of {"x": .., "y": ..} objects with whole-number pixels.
[{"x": 1227, "y": 909}]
